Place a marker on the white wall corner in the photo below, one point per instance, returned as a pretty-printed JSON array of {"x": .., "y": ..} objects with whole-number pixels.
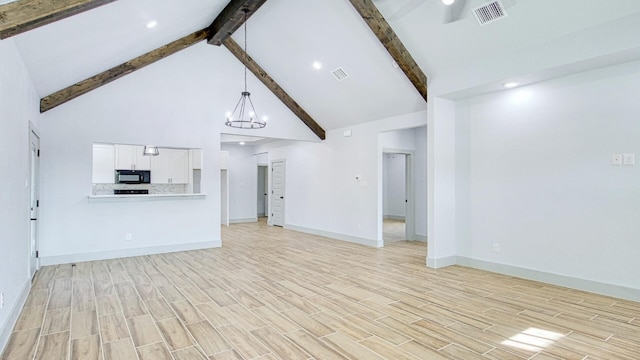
[
  {"x": 441, "y": 175},
  {"x": 12, "y": 318},
  {"x": 441, "y": 262},
  {"x": 421, "y": 238}
]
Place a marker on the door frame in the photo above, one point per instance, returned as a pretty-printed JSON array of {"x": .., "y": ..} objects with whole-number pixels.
[
  {"x": 410, "y": 213},
  {"x": 270, "y": 192},
  {"x": 34, "y": 200},
  {"x": 224, "y": 197}
]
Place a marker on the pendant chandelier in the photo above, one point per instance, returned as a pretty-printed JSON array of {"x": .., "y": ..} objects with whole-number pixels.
[
  {"x": 244, "y": 115},
  {"x": 150, "y": 150}
]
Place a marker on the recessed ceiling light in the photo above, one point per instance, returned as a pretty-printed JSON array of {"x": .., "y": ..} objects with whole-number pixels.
[
  {"x": 317, "y": 65},
  {"x": 151, "y": 24},
  {"x": 511, "y": 84},
  {"x": 448, "y": 2},
  {"x": 265, "y": 118},
  {"x": 241, "y": 143}
]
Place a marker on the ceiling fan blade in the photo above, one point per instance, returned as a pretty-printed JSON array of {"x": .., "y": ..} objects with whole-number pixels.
[{"x": 452, "y": 12}]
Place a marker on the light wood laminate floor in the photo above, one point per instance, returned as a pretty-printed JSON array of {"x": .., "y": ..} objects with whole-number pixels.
[
  {"x": 393, "y": 230},
  {"x": 269, "y": 293}
]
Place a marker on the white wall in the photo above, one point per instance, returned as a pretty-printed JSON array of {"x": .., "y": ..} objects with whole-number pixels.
[
  {"x": 131, "y": 110},
  {"x": 18, "y": 106},
  {"x": 322, "y": 193},
  {"x": 534, "y": 175},
  {"x": 441, "y": 183},
  {"x": 243, "y": 183},
  {"x": 559, "y": 55},
  {"x": 179, "y": 101},
  {"x": 394, "y": 186},
  {"x": 420, "y": 183}
]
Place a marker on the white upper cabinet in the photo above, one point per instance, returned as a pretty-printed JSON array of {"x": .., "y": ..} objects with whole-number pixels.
[
  {"x": 103, "y": 164},
  {"x": 129, "y": 157},
  {"x": 170, "y": 167},
  {"x": 196, "y": 158}
]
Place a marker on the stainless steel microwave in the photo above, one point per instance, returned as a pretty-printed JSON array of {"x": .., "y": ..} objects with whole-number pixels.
[{"x": 133, "y": 177}]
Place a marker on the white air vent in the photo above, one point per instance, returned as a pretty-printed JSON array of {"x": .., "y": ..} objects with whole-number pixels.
[
  {"x": 339, "y": 74},
  {"x": 489, "y": 12}
]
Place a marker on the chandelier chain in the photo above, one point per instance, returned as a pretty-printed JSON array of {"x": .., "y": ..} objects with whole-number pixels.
[
  {"x": 244, "y": 115},
  {"x": 245, "y": 49}
]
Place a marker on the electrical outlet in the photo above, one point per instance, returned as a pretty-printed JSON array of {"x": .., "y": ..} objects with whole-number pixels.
[
  {"x": 128, "y": 236},
  {"x": 496, "y": 247},
  {"x": 616, "y": 159},
  {"x": 629, "y": 159}
]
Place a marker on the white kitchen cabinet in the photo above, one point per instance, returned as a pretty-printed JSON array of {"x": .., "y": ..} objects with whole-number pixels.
[
  {"x": 103, "y": 164},
  {"x": 129, "y": 157},
  {"x": 170, "y": 167},
  {"x": 196, "y": 158}
]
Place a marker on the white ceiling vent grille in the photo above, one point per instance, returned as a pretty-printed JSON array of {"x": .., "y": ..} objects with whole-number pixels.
[
  {"x": 489, "y": 12},
  {"x": 339, "y": 74}
]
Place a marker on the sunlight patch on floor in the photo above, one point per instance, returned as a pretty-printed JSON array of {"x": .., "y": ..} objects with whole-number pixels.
[{"x": 533, "y": 339}]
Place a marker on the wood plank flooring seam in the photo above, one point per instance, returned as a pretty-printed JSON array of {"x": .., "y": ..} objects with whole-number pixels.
[
  {"x": 155, "y": 323},
  {"x": 360, "y": 302}
]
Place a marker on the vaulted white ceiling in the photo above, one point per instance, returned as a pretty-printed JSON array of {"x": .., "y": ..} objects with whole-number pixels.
[{"x": 538, "y": 39}]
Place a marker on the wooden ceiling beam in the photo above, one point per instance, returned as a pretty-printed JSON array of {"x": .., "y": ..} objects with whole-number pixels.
[
  {"x": 105, "y": 77},
  {"x": 24, "y": 15},
  {"x": 230, "y": 19},
  {"x": 392, "y": 43},
  {"x": 272, "y": 85}
]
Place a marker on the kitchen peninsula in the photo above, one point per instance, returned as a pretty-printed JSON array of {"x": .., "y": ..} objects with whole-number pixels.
[{"x": 122, "y": 172}]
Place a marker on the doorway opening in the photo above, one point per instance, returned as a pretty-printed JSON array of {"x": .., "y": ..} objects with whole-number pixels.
[
  {"x": 397, "y": 196},
  {"x": 263, "y": 192}
]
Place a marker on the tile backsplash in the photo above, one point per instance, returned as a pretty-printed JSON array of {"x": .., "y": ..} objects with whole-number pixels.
[{"x": 107, "y": 189}]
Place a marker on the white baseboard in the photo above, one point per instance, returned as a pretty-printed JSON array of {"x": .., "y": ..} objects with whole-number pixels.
[
  {"x": 394, "y": 217},
  {"x": 554, "y": 279},
  {"x": 441, "y": 262},
  {"x": 10, "y": 322},
  {"x": 114, "y": 254},
  {"x": 240, "y": 221},
  {"x": 422, "y": 238},
  {"x": 336, "y": 236}
]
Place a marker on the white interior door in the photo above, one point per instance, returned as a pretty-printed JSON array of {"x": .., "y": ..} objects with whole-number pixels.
[
  {"x": 266, "y": 191},
  {"x": 410, "y": 211},
  {"x": 34, "y": 203},
  {"x": 224, "y": 197},
  {"x": 277, "y": 192}
]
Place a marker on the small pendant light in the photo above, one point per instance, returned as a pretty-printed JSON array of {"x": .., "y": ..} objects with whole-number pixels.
[{"x": 150, "y": 150}]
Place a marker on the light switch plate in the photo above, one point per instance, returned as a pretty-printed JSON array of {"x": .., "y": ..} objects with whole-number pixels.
[
  {"x": 616, "y": 159},
  {"x": 629, "y": 159}
]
